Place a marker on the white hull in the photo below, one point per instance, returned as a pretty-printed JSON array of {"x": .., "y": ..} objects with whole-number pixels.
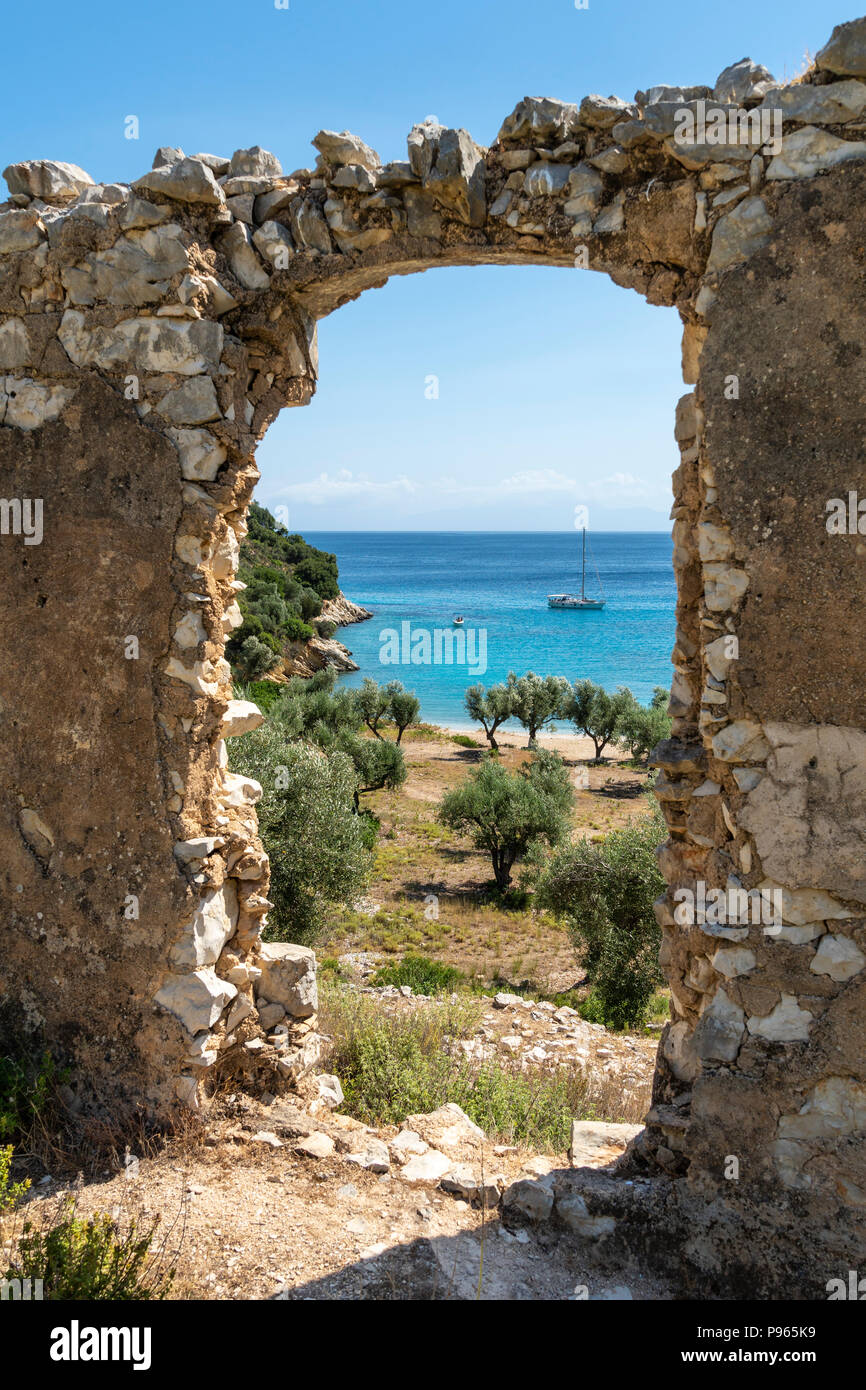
[{"x": 572, "y": 601}]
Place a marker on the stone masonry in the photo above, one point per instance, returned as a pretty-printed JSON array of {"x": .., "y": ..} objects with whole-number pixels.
[{"x": 150, "y": 333}]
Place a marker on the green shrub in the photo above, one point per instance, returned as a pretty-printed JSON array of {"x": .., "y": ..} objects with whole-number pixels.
[
  {"x": 318, "y": 847},
  {"x": 640, "y": 728},
  {"x": 605, "y": 890},
  {"x": 27, "y": 1085},
  {"x": 11, "y": 1193},
  {"x": 265, "y": 694},
  {"x": 465, "y": 741},
  {"x": 91, "y": 1258},
  {"x": 424, "y": 976},
  {"x": 391, "y": 1067}
]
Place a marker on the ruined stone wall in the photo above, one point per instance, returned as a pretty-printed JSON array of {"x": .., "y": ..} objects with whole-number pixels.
[{"x": 151, "y": 334}]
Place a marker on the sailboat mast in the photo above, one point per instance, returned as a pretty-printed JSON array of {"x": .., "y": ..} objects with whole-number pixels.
[{"x": 583, "y": 571}]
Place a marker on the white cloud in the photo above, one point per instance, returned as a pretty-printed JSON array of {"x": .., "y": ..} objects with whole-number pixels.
[{"x": 617, "y": 489}]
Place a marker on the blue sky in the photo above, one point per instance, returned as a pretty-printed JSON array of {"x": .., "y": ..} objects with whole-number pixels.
[{"x": 556, "y": 388}]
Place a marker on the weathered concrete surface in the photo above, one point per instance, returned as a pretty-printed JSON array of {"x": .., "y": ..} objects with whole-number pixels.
[{"x": 149, "y": 336}]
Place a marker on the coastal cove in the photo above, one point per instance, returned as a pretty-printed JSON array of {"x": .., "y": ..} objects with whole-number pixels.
[{"x": 499, "y": 582}]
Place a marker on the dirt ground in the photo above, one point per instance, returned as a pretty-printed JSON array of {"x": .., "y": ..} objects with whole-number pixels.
[
  {"x": 246, "y": 1213},
  {"x": 429, "y": 885}
]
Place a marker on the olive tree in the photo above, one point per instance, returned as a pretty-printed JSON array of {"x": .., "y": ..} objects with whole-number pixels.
[
  {"x": 595, "y": 713},
  {"x": 509, "y": 813},
  {"x": 317, "y": 845},
  {"x": 537, "y": 700},
  {"x": 604, "y": 890},
  {"x": 489, "y": 708}
]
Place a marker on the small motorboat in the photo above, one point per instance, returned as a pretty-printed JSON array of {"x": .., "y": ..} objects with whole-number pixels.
[{"x": 457, "y": 620}]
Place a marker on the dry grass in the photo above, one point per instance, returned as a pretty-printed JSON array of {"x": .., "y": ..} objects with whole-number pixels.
[{"x": 433, "y": 887}]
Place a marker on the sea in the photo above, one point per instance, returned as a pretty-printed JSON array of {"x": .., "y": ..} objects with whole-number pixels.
[{"x": 416, "y": 582}]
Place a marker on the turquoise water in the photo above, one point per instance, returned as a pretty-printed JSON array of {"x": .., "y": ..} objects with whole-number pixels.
[{"x": 499, "y": 581}]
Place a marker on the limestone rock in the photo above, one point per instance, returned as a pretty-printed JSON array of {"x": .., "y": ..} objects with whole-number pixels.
[
  {"x": 545, "y": 180},
  {"x": 355, "y": 176},
  {"x": 678, "y": 1050},
  {"x": 212, "y": 924},
  {"x": 612, "y": 218},
  {"x": 806, "y": 813},
  {"x": 197, "y": 999},
  {"x": 240, "y": 1010},
  {"x": 804, "y": 907},
  {"x": 193, "y": 403},
  {"x": 426, "y": 1167},
  {"x": 136, "y": 270},
  {"x": 238, "y": 790},
  {"x": 237, "y": 247},
  {"x": 217, "y": 163},
  {"x": 275, "y": 243},
  {"x": 830, "y": 105},
  {"x": 572, "y": 1210},
  {"x": 408, "y": 1144},
  {"x": 845, "y": 53},
  {"x": 138, "y": 212},
  {"x": 255, "y": 163},
  {"x": 597, "y": 1142},
  {"x": 149, "y": 344},
  {"x": 448, "y": 1128},
  {"x": 786, "y": 1023},
  {"x": 457, "y": 171},
  {"x": 240, "y": 717},
  {"x": 585, "y": 191},
  {"x": 201, "y": 456},
  {"x": 665, "y": 92},
  {"x": 289, "y": 978},
  {"x": 530, "y": 1197},
  {"x": 714, "y": 542},
  {"x": 539, "y": 119},
  {"x": 839, "y": 957},
  {"x": 741, "y": 741},
  {"x": 269, "y": 1014},
  {"x": 374, "y": 1156},
  {"x": 613, "y": 160},
  {"x": 811, "y": 151},
  {"x": 29, "y": 404},
  {"x": 834, "y": 1107},
  {"x": 316, "y": 1145},
  {"x": 731, "y": 961},
  {"x": 743, "y": 83},
  {"x": 465, "y": 1180},
  {"x": 718, "y": 658},
  {"x": 508, "y": 1001},
  {"x": 47, "y": 179},
  {"x": 20, "y": 230},
  {"x": 720, "y": 1030},
  {"x": 344, "y": 148},
  {"x": 187, "y": 181},
  {"x": 329, "y": 1091},
  {"x": 724, "y": 586},
  {"x": 309, "y": 227},
  {"x": 167, "y": 155},
  {"x": 603, "y": 112},
  {"x": 15, "y": 350},
  {"x": 741, "y": 232}
]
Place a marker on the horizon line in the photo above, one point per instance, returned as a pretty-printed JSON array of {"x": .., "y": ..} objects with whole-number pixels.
[{"x": 474, "y": 531}]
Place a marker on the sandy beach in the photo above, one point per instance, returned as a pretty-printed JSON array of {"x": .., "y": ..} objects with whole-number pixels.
[{"x": 574, "y": 747}]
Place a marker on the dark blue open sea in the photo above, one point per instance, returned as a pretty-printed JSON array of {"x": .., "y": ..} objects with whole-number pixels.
[{"x": 499, "y": 581}]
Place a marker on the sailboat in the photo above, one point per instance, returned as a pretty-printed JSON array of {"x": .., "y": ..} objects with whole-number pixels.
[{"x": 572, "y": 600}]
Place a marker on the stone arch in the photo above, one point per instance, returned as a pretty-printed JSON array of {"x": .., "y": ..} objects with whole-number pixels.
[{"x": 150, "y": 335}]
